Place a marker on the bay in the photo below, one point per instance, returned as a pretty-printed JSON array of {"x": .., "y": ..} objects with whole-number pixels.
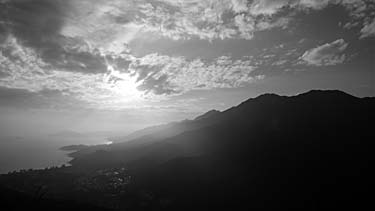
[{"x": 18, "y": 153}]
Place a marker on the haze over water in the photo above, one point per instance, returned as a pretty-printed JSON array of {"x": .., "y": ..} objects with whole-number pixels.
[{"x": 34, "y": 152}]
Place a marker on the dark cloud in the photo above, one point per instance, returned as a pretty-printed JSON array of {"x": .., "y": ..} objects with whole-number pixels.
[
  {"x": 37, "y": 24},
  {"x": 121, "y": 18},
  {"x": 158, "y": 86},
  {"x": 143, "y": 71},
  {"x": 75, "y": 60},
  {"x": 119, "y": 63}
]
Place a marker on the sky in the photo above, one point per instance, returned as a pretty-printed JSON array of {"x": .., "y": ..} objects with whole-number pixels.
[{"x": 120, "y": 65}]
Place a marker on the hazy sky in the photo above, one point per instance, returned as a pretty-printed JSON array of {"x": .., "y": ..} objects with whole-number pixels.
[{"x": 112, "y": 64}]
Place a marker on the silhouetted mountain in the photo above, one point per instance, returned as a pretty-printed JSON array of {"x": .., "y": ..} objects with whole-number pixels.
[
  {"x": 249, "y": 113},
  {"x": 152, "y": 134},
  {"x": 272, "y": 151},
  {"x": 164, "y": 131},
  {"x": 207, "y": 114},
  {"x": 313, "y": 151},
  {"x": 146, "y": 132}
]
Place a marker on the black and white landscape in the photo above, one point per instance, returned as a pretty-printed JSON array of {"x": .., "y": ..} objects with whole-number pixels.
[{"x": 187, "y": 104}]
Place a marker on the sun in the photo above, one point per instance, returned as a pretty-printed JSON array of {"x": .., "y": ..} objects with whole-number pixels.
[
  {"x": 123, "y": 86},
  {"x": 127, "y": 87}
]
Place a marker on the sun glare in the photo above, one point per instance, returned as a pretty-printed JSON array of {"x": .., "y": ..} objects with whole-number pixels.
[{"x": 123, "y": 86}]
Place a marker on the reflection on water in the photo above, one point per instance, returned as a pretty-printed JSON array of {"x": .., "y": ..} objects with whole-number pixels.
[{"x": 39, "y": 152}]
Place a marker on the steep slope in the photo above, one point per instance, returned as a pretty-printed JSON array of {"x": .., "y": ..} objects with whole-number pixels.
[
  {"x": 166, "y": 130},
  {"x": 208, "y": 114},
  {"x": 255, "y": 121},
  {"x": 311, "y": 151},
  {"x": 152, "y": 134}
]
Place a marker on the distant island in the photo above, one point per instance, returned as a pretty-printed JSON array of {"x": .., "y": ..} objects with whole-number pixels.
[{"x": 74, "y": 147}]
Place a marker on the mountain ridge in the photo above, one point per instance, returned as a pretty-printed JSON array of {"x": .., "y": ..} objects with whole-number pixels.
[
  {"x": 312, "y": 151},
  {"x": 210, "y": 113},
  {"x": 251, "y": 108}
]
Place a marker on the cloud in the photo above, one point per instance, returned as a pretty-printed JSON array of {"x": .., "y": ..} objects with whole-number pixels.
[
  {"x": 107, "y": 25},
  {"x": 76, "y": 35},
  {"x": 315, "y": 4},
  {"x": 36, "y": 24},
  {"x": 358, "y": 10},
  {"x": 23, "y": 69},
  {"x": 184, "y": 19},
  {"x": 272, "y": 7},
  {"x": 239, "y": 6},
  {"x": 82, "y": 46},
  {"x": 169, "y": 75},
  {"x": 266, "y": 24},
  {"x": 368, "y": 29},
  {"x": 267, "y": 7},
  {"x": 224, "y": 19},
  {"x": 128, "y": 81},
  {"x": 245, "y": 25},
  {"x": 158, "y": 86},
  {"x": 46, "y": 98},
  {"x": 327, "y": 54}
]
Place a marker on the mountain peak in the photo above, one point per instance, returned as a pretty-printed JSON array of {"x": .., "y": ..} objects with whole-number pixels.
[
  {"x": 328, "y": 91},
  {"x": 312, "y": 96},
  {"x": 207, "y": 114},
  {"x": 267, "y": 96},
  {"x": 262, "y": 98},
  {"x": 326, "y": 94}
]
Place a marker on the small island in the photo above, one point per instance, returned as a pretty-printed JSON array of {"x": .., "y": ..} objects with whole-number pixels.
[{"x": 74, "y": 147}]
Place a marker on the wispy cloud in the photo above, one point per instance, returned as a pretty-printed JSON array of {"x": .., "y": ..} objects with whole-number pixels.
[
  {"x": 176, "y": 74},
  {"x": 327, "y": 54},
  {"x": 368, "y": 29}
]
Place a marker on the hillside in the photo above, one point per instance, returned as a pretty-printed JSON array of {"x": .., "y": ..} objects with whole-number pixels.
[
  {"x": 311, "y": 151},
  {"x": 262, "y": 116}
]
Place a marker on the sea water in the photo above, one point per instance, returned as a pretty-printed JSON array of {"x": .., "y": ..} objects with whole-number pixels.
[{"x": 18, "y": 153}]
